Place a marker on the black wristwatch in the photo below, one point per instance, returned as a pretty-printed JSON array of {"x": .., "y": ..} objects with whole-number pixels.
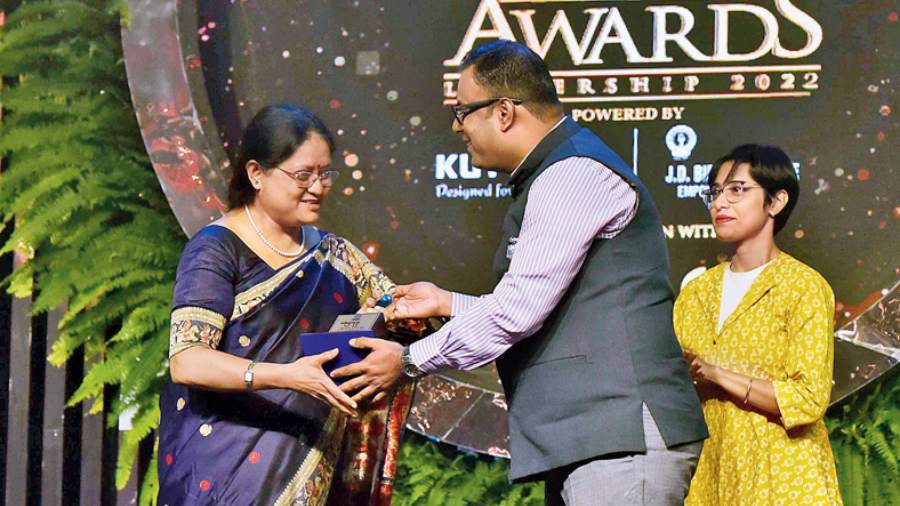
[{"x": 410, "y": 369}]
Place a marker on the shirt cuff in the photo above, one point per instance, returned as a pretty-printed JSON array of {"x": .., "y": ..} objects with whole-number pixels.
[
  {"x": 461, "y": 302},
  {"x": 795, "y": 409},
  {"x": 426, "y": 353}
]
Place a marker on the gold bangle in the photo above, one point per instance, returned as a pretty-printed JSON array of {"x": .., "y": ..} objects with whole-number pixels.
[{"x": 747, "y": 395}]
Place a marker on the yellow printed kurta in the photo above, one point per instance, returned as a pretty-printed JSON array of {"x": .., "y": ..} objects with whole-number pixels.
[{"x": 781, "y": 331}]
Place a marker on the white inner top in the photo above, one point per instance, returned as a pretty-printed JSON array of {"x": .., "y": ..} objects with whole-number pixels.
[{"x": 734, "y": 287}]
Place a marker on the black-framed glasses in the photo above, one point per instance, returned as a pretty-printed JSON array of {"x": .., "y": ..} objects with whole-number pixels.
[
  {"x": 733, "y": 191},
  {"x": 306, "y": 178},
  {"x": 460, "y": 111}
]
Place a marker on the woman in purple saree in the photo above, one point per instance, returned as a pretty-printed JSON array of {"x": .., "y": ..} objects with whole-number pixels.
[{"x": 247, "y": 418}]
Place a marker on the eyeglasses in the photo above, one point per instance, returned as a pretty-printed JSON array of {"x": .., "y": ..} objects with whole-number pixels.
[
  {"x": 460, "y": 111},
  {"x": 733, "y": 191},
  {"x": 305, "y": 178}
]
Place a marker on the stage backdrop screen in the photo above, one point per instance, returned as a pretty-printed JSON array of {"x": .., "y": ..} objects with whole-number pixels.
[{"x": 671, "y": 86}]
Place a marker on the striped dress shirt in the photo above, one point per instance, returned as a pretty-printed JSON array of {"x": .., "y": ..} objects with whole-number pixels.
[{"x": 572, "y": 203}]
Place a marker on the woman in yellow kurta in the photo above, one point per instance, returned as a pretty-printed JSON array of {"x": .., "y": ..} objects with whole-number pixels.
[{"x": 758, "y": 333}]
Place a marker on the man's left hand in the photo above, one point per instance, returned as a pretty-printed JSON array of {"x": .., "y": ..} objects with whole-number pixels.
[{"x": 377, "y": 373}]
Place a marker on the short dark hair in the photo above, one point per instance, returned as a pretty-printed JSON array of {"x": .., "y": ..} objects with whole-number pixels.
[
  {"x": 509, "y": 69},
  {"x": 771, "y": 167},
  {"x": 273, "y": 136}
]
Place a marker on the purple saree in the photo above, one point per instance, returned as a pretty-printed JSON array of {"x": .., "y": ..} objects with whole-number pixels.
[{"x": 271, "y": 446}]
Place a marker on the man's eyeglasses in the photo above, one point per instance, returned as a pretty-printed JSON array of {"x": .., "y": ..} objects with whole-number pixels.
[
  {"x": 733, "y": 191},
  {"x": 305, "y": 178},
  {"x": 460, "y": 111}
]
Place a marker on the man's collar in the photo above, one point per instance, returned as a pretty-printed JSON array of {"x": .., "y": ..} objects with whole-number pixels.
[
  {"x": 560, "y": 132},
  {"x": 525, "y": 158}
]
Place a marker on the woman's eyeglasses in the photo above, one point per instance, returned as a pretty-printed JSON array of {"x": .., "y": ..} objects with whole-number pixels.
[
  {"x": 733, "y": 191},
  {"x": 306, "y": 178}
]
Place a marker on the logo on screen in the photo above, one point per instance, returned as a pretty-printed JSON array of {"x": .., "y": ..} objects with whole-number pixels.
[
  {"x": 681, "y": 141},
  {"x": 456, "y": 166}
]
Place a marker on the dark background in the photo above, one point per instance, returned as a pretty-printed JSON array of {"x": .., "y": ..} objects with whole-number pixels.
[{"x": 844, "y": 136}]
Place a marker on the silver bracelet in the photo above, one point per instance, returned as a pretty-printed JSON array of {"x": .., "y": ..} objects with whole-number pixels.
[{"x": 248, "y": 375}]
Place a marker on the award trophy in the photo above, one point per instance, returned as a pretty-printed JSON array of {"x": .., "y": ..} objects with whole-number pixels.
[
  {"x": 350, "y": 326},
  {"x": 345, "y": 328}
]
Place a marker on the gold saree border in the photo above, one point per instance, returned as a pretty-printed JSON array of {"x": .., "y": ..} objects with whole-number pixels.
[
  {"x": 256, "y": 294},
  {"x": 199, "y": 314},
  {"x": 346, "y": 258},
  {"x": 352, "y": 263},
  {"x": 306, "y": 488},
  {"x": 194, "y": 326}
]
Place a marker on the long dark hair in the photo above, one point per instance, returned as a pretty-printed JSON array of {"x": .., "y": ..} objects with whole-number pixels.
[{"x": 273, "y": 136}]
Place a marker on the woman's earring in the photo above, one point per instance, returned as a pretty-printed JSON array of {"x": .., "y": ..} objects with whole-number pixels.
[{"x": 256, "y": 184}]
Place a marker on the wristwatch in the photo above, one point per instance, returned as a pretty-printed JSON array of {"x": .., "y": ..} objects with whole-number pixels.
[
  {"x": 409, "y": 368},
  {"x": 248, "y": 375}
]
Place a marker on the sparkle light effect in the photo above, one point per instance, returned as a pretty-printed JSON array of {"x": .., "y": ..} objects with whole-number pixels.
[{"x": 388, "y": 117}]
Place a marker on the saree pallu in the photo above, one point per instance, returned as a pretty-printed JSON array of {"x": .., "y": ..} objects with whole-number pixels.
[{"x": 279, "y": 446}]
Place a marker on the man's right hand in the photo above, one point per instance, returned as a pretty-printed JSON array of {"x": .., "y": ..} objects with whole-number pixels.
[
  {"x": 420, "y": 300},
  {"x": 306, "y": 375}
]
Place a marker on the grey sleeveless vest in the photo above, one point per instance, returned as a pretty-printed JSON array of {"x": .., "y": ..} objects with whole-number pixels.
[{"x": 575, "y": 388}]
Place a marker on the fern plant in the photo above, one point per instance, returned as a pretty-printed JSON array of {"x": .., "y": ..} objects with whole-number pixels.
[
  {"x": 865, "y": 437},
  {"x": 89, "y": 217},
  {"x": 435, "y": 474}
]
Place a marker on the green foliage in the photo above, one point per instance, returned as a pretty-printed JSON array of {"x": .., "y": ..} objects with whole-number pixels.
[
  {"x": 436, "y": 474},
  {"x": 150, "y": 482},
  {"x": 865, "y": 437},
  {"x": 89, "y": 216}
]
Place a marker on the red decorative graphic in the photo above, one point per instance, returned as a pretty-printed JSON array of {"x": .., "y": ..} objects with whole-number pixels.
[
  {"x": 212, "y": 201},
  {"x": 254, "y": 457},
  {"x": 177, "y": 163}
]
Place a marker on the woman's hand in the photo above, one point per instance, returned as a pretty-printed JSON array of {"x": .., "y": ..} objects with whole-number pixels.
[
  {"x": 306, "y": 375},
  {"x": 745, "y": 391},
  {"x": 369, "y": 306},
  {"x": 701, "y": 370}
]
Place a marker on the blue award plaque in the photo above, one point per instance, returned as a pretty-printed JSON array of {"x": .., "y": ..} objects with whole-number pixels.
[{"x": 344, "y": 328}]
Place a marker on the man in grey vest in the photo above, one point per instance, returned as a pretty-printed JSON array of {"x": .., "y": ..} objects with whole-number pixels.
[{"x": 601, "y": 405}]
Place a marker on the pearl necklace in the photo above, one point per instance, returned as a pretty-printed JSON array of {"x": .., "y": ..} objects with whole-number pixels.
[{"x": 266, "y": 241}]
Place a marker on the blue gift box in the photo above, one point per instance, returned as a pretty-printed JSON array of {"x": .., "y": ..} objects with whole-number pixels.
[{"x": 345, "y": 328}]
